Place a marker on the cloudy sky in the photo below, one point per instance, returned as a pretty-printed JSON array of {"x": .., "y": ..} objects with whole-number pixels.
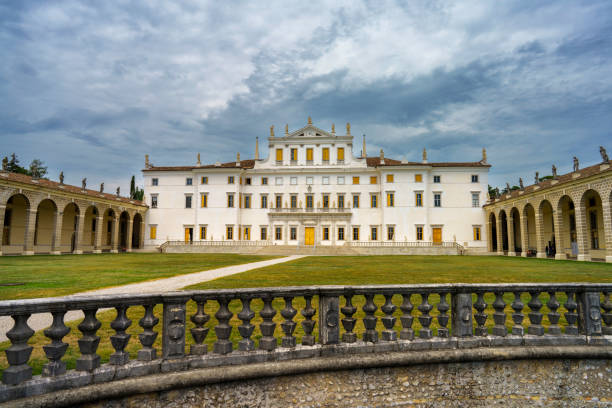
[{"x": 89, "y": 87}]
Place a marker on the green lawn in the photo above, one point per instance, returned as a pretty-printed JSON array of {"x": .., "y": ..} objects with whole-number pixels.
[
  {"x": 23, "y": 277},
  {"x": 349, "y": 271}
]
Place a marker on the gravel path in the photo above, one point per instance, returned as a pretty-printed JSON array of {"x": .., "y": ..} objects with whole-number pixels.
[{"x": 43, "y": 320}]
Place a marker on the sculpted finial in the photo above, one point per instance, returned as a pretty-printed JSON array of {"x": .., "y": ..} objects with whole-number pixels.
[
  {"x": 309, "y": 120},
  {"x": 604, "y": 154},
  {"x": 348, "y": 128},
  {"x": 333, "y": 128},
  {"x": 272, "y": 131},
  {"x": 287, "y": 129}
]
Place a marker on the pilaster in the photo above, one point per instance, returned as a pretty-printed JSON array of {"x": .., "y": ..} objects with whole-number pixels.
[
  {"x": 80, "y": 228},
  {"x": 98, "y": 238},
  {"x": 510, "y": 229},
  {"x": 2, "y": 212},
  {"x": 524, "y": 235},
  {"x": 560, "y": 239},
  {"x": 607, "y": 221},
  {"x": 30, "y": 227},
  {"x": 57, "y": 233},
  {"x": 539, "y": 224},
  {"x": 582, "y": 233},
  {"x": 115, "y": 232},
  {"x": 500, "y": 236},
  {"x": 128, "y": 239},
  {"x": 142, "y": 232},
  {"x": 489, "y": 236}
]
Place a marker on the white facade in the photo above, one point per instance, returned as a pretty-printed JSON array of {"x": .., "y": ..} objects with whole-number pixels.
[{"x": 303, "y": 196}]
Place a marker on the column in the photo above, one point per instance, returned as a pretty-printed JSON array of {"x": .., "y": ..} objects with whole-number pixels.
[
  {"x": 98, "y": 238},
  {"x": 524, "y": 235},
  {"x": 57, "y": 233},
  {"x": 2, "y": 212},
  {"x": 607, "y": 221},
  {"x": 30, "y": 226},
  {"x": 285, "y": 232},
  {"x": 115, "y": 232},
  {"x": 510, "y": 229},
  {"x": 130, "y": 226},
  {"x": 489, "y": 236},
  {"x": 582, "y": 233},
  {"x": 80, "y": 228},
  {"x": 500, "y": 236},
  {"x": 142, "y": 232},
  {"x": 332, "y": 232},
  {"x": 539, "y": 221},
  {"x": 559, "y": 238}
]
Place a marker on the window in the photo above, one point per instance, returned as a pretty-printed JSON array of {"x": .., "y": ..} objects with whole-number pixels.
[
  {"x": 390, "y": 199},
  {"x": 202, "y": 232},
  {"x": 309, "y": 154},
  {"x": 355, "y": 179},
  {"x": 355, "y": 233},
  {"x": 229, "y": 231},
  {"x": 247, "y": 234},
  {"x": 293, "y": 181},
  {"x": 341, "y": 154},
  {"x": 293, "y": 233},
  {"x": 230, "y": 180},
  {"x": 374, "y": 233},
  {"x": 247, "y": 181},
  {"x": 309, "y": 201},
  {"x": 263, "y": 233},
  {"x": 189, "y": 181},
  {"x": 474, "y": 178},
  {"x": 325, "y": 200},
  {"x": 230, "y": 201},
  {"x": 278, "y": 233},
  {"x": 204, "y": 200},
  {"x": 279, "y": 155},
  {"x": 204, "y": 180},
  {"x": 278, "y": 181},
  {"x": 340, "y": 201},
  {"x": 373, "y": 201},
  {"x": 389, "y": 178},
  {"x": 247, "y": 201},
  {"x": 155, "y": 182},
  {"x": 294, "y": 155},
  {"x": 436, "y": 179},
  {"x": 293, "y": 201},
  {"x": 187, "y": 201},
  {"x": 340, "y": 233},
  {"x": 419, "y": 233},
  {"x": 264, "y": 181},
  {"x": 309, "y": 180},
  {"x": 418, "y": 197},
  {"x": 476, "y": 233},
  {"x": 340, "y": 180},
  {"x": 325, "y": 154},
  {"x": 373, "y": 179},
  {"x": 325, "y": 180},
  {"x": 154, "y": 201},
  {"x": 264, "y": 201},
  {"x": 355, "y": 201},
  {"x": 390, "y": 233},
  {"x": 153, "y": 231},
  {"x": 476, "y": 200},
  {"x": 437, "y": 200},
  {"x": 418, "y": 178},
  {"x": 279, "y": 201},
  {"x": 325, "y": 233}
]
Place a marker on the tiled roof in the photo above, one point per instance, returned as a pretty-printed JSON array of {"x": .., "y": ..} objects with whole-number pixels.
[
  {"x": 244, "y": 164},
  {"x": 375, "y": 162},
  {"x": 22, "y": 178},
  {"x": 562, "y": 179}
]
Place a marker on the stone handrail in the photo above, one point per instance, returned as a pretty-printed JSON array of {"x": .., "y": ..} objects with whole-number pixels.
[
  {"x": 402, "y": 244},
  {"x": 456, "y": 318},
  {"x": 228, "y": 243}
]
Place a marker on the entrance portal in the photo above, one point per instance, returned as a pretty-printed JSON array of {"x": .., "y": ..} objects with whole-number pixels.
[
  {"x": 309, "y": 236},
  {"x": 437, "y": 235}
]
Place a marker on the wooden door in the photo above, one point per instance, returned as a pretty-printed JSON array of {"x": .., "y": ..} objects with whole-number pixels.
[
  {"x": 188, "y": 232},
  {"x": 309, "y": 236},
  {"x": 437, "y": 235}
]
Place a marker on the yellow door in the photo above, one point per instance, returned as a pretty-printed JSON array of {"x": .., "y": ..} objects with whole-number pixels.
[
  {"x": 437, "y": 235},
  {"x": 309, "y": 236},
  {"x": 187, "y": 234}
]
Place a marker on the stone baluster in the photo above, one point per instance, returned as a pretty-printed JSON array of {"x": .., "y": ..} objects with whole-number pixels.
[
  {"x": 406, "y": 318},
  {"x": 589, "y": 313},
  {"x": 200, "y": 331},
  {"x": 518, "y": 316},
  {"x": 223, "y": 329},
  {"x": 348, "y": 321},
  {"x": 535, "y": 317},
  {"x": 606, "y": 316},
  {"x": 246, "y": 328},
  {"x": 308, "y": 324},
  {"x": 120, "y": 339},
  {"x": 443, "y": 317},
  {"x": 19, "y": 352},
  {"x": 462, "y": 314},
  {"x": 571, "y": 316},
  {"x": 88, "y": 344},
  {"x": 148, "y": 335},
  {"x": 173, "y": 330},
  {"x": 499, "y": 316},
  {"x": 425, "y": 319},
  {"x": 56, "y": 350},
  {"x": 288, "y": 326},
  {"x": 480, "y": 316},
  {"x": 553, "y": 317},
  {"x": 267, "y": 327},
  {"x": 389, "y": 320},
  {"x": 369, "y": 321}
]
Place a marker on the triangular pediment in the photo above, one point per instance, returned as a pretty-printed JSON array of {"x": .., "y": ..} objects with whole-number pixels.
[{"x": 309, "y": 131}]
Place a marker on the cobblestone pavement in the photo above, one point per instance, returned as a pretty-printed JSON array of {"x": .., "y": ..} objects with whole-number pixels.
[{"x": 43, "y": 320}]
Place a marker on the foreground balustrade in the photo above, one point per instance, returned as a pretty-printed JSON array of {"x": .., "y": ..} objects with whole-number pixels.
[{"x": 262, "y": 324}]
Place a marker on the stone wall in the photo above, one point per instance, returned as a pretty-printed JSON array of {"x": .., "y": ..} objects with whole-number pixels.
[{"x": 518, "y": 383}]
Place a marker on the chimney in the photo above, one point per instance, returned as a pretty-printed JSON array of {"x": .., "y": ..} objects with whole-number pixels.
[
  {"x": 238, "y": 159},
  {"x": 424, "y": 155},
  {"x": 364, "y": 153},
  {"x": 199, "y": 163},
  {"x": 257, "y": 148},
  {"x": 382, "y": 157},
  {"x": 484, "y": 155},
  {"x": 147, "y": 165},
  {"x": 333, "y": 129}
]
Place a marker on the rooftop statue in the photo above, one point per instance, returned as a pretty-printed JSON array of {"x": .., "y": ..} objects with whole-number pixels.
[
  {"x": 84, "y": 183},
  {"x": 576, "y": 163},
  {"x": 604, "y": 154}
]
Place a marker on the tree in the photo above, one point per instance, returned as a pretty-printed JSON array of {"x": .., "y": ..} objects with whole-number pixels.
[
  {"x": 37, "y": 170},
  {"x": 14, "y": 167},
  {"x": 135, "y": 192}
]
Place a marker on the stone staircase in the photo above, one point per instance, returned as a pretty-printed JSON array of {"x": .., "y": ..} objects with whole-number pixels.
[{"x": 306, "y": 250}]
